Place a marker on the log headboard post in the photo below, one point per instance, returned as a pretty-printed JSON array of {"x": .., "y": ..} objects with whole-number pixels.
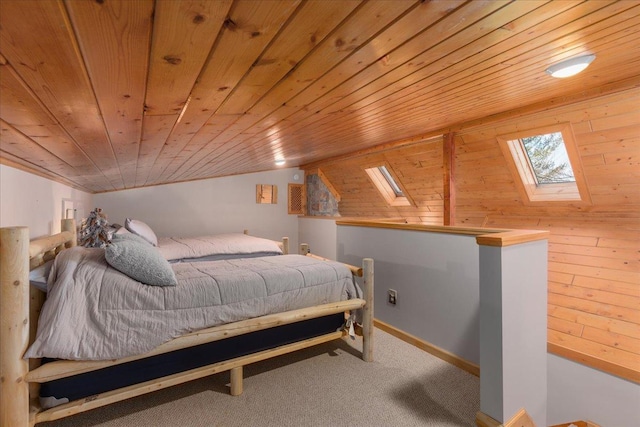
[
  {"x": 14, "y": 325},
  {"x": 367, "y": 321},
  {"x": 70, "y": 225}
]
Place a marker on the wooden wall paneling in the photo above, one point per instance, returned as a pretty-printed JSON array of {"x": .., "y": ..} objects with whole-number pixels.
[
  {"x": 248, "y": 29},
  {"x": 478, "y": 19},
  {"x": 17, "y": 144},
  {"x": 594, "y": 294},
  {"x": 45, "y": 54},
  {"x": 402, "y": 51},
  {"x": 393, "y": 36},
  {"x": 328, "y": 184},
  {"x": 155, "y": 131},
  {"x": 603, "y": 357},
  {"x": 118, "y": 76},
  {"x": 42, "y": 128},
  {"x": 184, "y": 33},
  {"x": 364, "y": 22},
  {"x": 425, "y": 185},
  {"x": 406, "y": 123},
  {"x": 176, "y": 62},
  {"x": 481, "y": 80},
  {"x": 20, "y": 105},
  {"x": 385, "y": 41},
  {"x": 401, "y": 95},
  {"x": 313, "y": 21},
  {"x": 601, "y": 296},
  {"x": 612, "y": 339},
  {"x": 619, "y": 121},
  {"x": 565, "y": 326},
  {"x": 20, "y": 163},
  {"x": 593, "y": 320},
  {"x": 597, "y": 272}
]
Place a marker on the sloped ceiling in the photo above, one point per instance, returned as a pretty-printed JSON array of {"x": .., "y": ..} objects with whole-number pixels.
[{"x": 105, "y": 95}]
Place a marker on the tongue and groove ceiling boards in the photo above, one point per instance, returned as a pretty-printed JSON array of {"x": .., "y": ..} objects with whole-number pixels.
[{"x": 105, "y": 95}]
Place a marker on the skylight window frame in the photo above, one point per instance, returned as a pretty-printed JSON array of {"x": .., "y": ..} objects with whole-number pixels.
[
  {"x": 391, "y": 181},
  {"x": 525, "y": 178},
  {"x": 385, "y": 188}
]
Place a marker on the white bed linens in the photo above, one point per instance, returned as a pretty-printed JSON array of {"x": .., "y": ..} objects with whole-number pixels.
[
  {"x": 189, "y": 248},
  {"x": 94, "y": 312}
]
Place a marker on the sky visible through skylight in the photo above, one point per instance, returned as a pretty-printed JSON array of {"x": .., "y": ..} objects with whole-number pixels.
[{"x": 549, "y": 158}]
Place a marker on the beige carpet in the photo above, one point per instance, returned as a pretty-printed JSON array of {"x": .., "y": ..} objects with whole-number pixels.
[{"x": 328, "y": 385}]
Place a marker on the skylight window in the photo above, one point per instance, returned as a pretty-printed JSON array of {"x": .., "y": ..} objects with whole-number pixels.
[
  {"x": 388, "y": 186},
  {"x": 548, "y": 157},
  {"x": 546, "y": 165},
  {"x": 392, "y": 182}
]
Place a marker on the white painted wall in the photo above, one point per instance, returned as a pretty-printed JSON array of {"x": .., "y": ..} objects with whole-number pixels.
[
  {"x": 218, "y": 205},
  {"x": 436, "y": 276},
  {"x": 577, "y": 392},
  {"x": 513, "y": 331},
  {"x": 320, "y": 233},
  {"x": 29, "y": 200}
]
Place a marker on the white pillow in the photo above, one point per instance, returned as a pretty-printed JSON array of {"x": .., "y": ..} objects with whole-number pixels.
[
  {"x": 142, "y": 230},
  {"x": 38, "y": 276},
  {"x": 122, "y": 230}
]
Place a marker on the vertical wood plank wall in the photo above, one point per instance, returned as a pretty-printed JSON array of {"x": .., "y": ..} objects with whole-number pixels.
[
  {"x": 419, "y": 169},
  {"x": 594, "y": 250}
]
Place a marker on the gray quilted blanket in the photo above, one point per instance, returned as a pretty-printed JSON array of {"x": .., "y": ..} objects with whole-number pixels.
[{"x": 94, "y": 312}]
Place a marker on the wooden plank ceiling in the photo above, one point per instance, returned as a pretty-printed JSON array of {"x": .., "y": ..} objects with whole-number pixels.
[{"x": 105, "y": 95}]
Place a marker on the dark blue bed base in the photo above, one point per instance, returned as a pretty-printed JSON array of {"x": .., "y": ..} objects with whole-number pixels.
[{"x": 118, "y": 376}]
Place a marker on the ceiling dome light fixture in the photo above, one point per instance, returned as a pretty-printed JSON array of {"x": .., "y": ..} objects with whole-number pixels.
[
  {"x": 570, "y": 67},
  {"x": 280, "y": 162}
]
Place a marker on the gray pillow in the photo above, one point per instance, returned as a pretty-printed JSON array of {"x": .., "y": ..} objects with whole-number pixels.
[{"x": 135, "y": 257}]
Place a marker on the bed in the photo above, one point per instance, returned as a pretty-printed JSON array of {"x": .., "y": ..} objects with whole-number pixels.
[{"x": 21, "y": 304}]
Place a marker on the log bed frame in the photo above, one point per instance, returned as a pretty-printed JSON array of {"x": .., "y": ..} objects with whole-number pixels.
[{"x": 20, "y": 306}]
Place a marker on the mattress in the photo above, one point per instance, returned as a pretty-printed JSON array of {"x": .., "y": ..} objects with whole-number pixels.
[{"x": 80, "y": 386}]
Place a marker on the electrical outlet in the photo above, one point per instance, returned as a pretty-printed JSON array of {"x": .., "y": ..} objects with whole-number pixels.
[{"x": 392, "y": 296}]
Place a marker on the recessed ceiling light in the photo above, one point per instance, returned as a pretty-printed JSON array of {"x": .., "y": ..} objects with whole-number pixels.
[
  {"x": 280, "y": 162},
  {"x": 570, "y": 67}
]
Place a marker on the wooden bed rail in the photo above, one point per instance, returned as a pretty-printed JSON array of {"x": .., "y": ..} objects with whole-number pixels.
[
  {"x": 304, "y": 250},
  {"x": 66, "y": 368}
]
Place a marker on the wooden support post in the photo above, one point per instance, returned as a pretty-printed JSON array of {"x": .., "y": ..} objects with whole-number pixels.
[
  {"x": 367, "y": 316},
  {"x": 70, "y": 225},
  {"x": 14, "y": 326},
  {"x": 236, "y": 381},
  {"x": 304, "y": 248},
  {"x": 285, "y": 245},
  {"x": 449, "y": 164}
]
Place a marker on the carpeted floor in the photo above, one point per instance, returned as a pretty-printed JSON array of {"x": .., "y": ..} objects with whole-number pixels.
[{"x": 328, "y": 385}]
